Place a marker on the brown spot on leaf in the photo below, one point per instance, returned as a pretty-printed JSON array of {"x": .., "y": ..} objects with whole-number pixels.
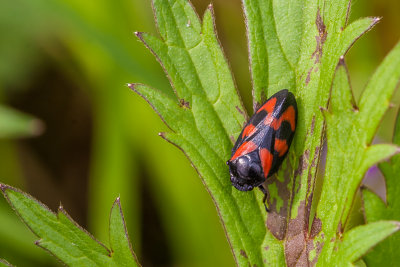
[
  {"x": 256, "y": 106},
  {"x": 340, "y": 228},
  {"x": 277, "y": 220},
  {"x": 299, "y": 243},
  {"x": 243, "y": 253},
  {"x": 320, "y": 38},
  {"x": 303, "y": 163},
  {"x": 311, "y": 183},
  {"x": 312, "y": 125},
  {"x": 241, "y": 111},
  {"x": 183, "y": 103},
  {"x": 276, "y": 224},
  {"x": 316, "y": 157},
  {"x": 293, "y": 249},
  {"x": 266, "y": 247},
  {"x": 311, "y": 175},
  {"x": 295, "y": 245},
  {"x": 308, "y": 78},
  {"x": 315, "y": 227},
  {"x": 232, "y": 138},
  {"x": 318, "y": 251}
]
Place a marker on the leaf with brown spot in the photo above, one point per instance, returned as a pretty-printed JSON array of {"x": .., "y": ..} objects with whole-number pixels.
[
  {"x": 292, "y": 44},
  {"x": 205, "y": 129},
  {"x": 350, "y": 154}
]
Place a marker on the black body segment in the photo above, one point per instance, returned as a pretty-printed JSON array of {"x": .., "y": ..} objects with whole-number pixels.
[{"x": 264, "y": 142}]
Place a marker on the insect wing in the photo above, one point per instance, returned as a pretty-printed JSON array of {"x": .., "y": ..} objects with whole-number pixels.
[
  {"x": 283, "y": 127},
  {"x": 256, "y": 125}
]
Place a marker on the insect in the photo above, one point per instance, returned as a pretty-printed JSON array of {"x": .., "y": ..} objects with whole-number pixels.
[{"x": 263, "y": 143}]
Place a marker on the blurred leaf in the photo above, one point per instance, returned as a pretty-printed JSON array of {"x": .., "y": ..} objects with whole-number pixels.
[
  {"x": 349, "y": 156},
  {"x": 62, "y": 237},
  {"x": 5, "y": 263},
  {"x": 14, "y": 124},
  {"x": 385, "y": 254},
  {"x": 99, "y": 37}
]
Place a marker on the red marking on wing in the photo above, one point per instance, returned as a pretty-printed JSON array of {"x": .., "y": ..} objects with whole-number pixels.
[
  {"x": 289, "y": 115},
  {"x": 244, "y": 149},
  {"x": 269, "y": 119},
  {"x": 269, "y": 106},
  {"x": 281, "y": 146},
  {"x": 266, "y": 160},
  {"x": 249, "y": 130}
]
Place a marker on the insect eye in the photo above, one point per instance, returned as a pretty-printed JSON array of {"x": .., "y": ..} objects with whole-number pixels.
[
  {"x": 254, "y": 170},
  {"x": 243, "y": 166}
]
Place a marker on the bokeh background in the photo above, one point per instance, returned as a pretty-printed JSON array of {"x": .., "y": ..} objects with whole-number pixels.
[{"x": 82, "y": 138}]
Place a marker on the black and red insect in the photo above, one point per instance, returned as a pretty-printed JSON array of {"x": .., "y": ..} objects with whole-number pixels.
[{"x": 264, "y": 142}]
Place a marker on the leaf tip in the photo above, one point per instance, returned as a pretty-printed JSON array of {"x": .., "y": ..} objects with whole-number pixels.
[
  {"x": 3, "y": 188},
  {"x": 375, "y": 20},
  {"x": 341, "y": 61},
  {"x": 117, "y": 201},
  {"x": 37, "y": 127},
  {"x": 162, "y": 134},
  {"x": 139, "y": 35},
  {"x": 61, "y": 208}
]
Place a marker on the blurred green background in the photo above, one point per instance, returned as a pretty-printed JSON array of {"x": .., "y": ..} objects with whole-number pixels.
[{"x": 90, "y": 139}]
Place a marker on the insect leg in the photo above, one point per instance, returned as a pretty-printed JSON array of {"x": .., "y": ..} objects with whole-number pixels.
[{"x": 265, "y": 192}]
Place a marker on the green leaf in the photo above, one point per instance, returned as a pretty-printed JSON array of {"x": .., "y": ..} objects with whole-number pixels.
[
  {"x": 375, "y": 99},
  {"x": 205, "y": 116},
  {"x": 14, "y": 124},
  {"x": 359, "y": 263},
  {"x": 66, "y": 240},
  {"x": 356, "y": 242},
  {"x": 120, "y": 244},
  {"x": 273, "y": 60},
  {"x": 324, "y": 39},
  {"x": 292, "y": 44},
  {"x": 5, "y": 263},
  {"x": 376, "y": 209},
  {"x": 350, "y": 154}
]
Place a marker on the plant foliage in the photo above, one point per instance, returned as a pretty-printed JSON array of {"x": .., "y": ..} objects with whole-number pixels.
[
  {"x": 297, "y": 45},
  {"x": 66, "y": 240},
  {"x": 14, "y": 124},
  {"x": 375, "y": 209}
]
